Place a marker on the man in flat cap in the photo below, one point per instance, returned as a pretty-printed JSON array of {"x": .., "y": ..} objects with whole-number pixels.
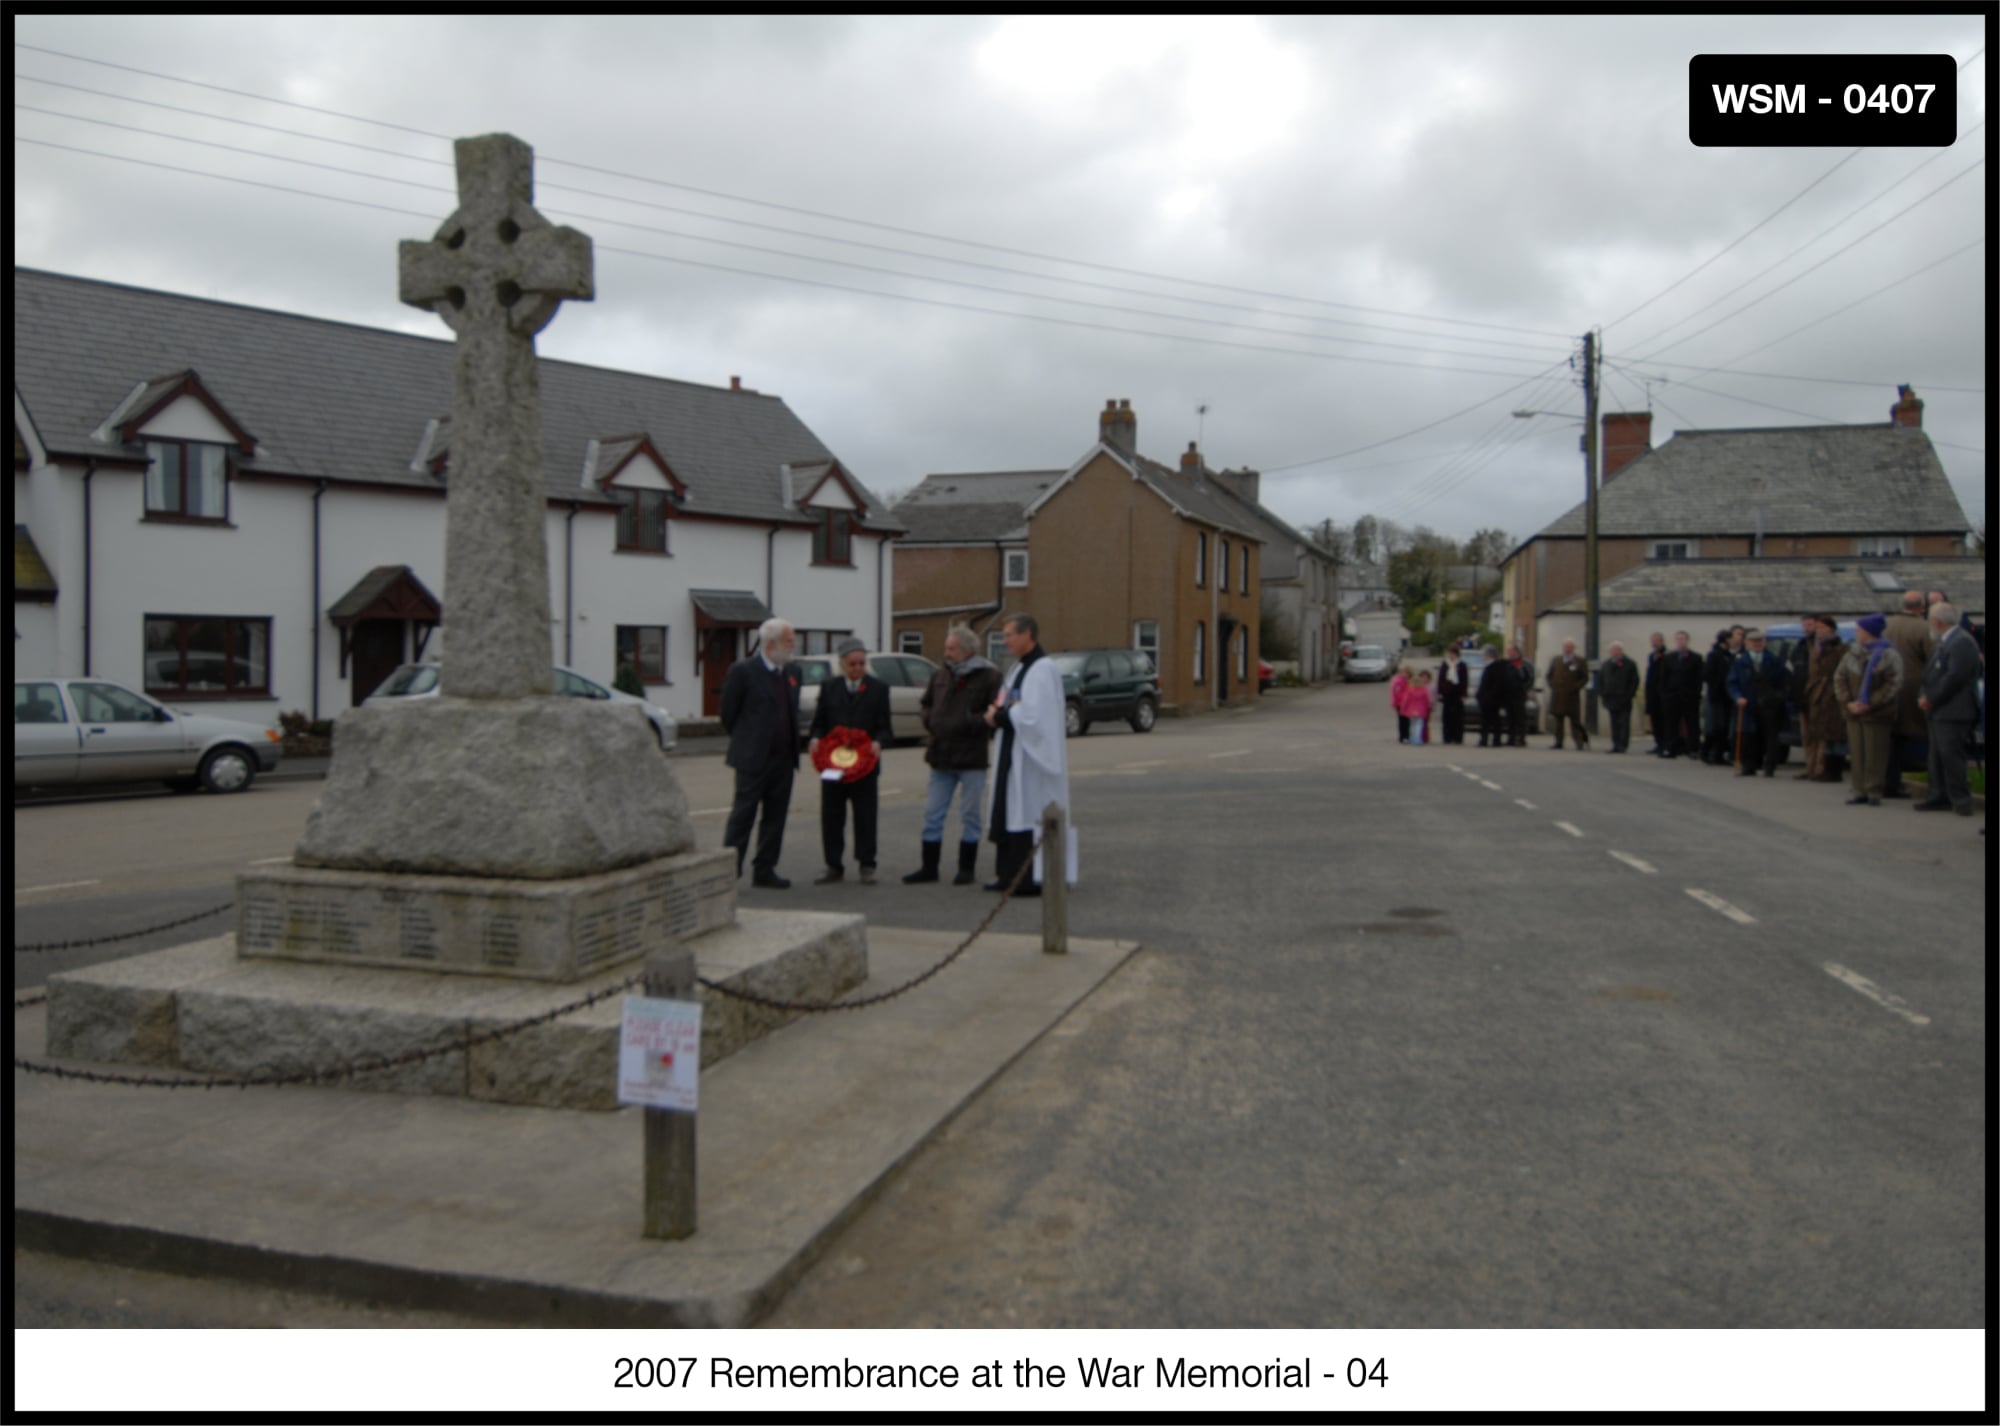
[{"x": 851, "y": 699}]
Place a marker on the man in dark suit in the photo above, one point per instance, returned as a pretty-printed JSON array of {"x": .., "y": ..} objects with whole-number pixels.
[
  {"x": 1951, "y": 704},
  {"x": 1517, "y": 696},
  {"x": 1495, "y": 685},
  {"x": 851, "y": 700},
  {"x": 1656, "y": 709},
  {"x": 760, "y": 712},
  {"x": 1680, "y": 694},
  {"x": 1618, "y": 685}
]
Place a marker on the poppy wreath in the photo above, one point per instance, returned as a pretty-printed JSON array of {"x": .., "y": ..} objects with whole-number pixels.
[{"x": 849, "y": 749}]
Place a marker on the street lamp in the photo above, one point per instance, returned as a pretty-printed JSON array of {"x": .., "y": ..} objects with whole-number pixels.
[{"x": 1589, "y": 424}]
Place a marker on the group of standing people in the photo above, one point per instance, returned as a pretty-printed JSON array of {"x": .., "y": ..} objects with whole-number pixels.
[
  {"x": 1906, "y": 679},
  {"x": 968, "y": 704}
]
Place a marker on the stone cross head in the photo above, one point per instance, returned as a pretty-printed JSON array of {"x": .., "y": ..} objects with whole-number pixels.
[{"x": 496, "y": 264}]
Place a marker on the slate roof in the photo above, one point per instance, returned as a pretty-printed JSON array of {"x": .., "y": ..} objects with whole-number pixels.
[
  {"x": 1282, "y": 542},
  {"x": 1792, "y": 586},
  {"x": 730, "y": 606},
  {"x": 372, "y": 586},
  {"x": 1199, "y": 498},
  {"x": 351, "y": 403},
  {"x": 973, "y": 505},
  {"x": 1806, "y": 480},
  {"x": 31, "y": 573}
]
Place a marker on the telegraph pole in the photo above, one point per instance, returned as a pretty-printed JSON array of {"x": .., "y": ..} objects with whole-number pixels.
[{"x": 1591, "y": 357}]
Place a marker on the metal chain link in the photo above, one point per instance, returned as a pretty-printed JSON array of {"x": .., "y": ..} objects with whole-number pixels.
[
  {"x": 128, "y": 935},
  {"x": 810, "y": 1007},
  {"x": 464, "y": 1043},
  {"x": 371, "y": 1065}
]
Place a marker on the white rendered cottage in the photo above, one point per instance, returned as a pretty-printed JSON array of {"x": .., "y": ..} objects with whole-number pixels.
[{"x": 245, "y": 508}]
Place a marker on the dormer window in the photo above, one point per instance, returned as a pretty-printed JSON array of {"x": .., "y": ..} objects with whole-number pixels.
[
  {"x": 833, "y": 538},
  {"x": 642, "y": 520},
  {"x": 187, "y": 480}
]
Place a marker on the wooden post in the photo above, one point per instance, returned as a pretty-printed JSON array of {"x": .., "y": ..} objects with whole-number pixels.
[
  {"x": 669, "y": 1173},
  {"x": 1055, "y": 880}
]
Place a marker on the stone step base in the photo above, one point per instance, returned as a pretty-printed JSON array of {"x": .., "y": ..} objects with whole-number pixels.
[{"x": 200, "y": 1009}]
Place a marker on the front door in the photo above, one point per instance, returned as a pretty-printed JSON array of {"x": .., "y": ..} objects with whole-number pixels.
[
  {"x": 717, "y": 654},
  {"x": 377, "y": 652}
]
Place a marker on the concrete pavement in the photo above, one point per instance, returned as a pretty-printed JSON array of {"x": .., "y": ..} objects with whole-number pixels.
[{"x": 532, "y": 1215}]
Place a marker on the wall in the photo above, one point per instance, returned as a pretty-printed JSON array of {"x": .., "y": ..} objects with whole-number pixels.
[
  {"x": 35, "y": 648},
  {"x": 938, "y": 577}
]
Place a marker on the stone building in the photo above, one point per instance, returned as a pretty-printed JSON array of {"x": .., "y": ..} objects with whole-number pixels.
[{"x": 1838, "y": 495}]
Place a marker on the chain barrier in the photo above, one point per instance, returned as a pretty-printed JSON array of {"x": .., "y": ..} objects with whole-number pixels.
[
  {"x": 128, "y": 935},
  {"x": 810, "y": 1007},
  {"x": 375, "y": 1064}
]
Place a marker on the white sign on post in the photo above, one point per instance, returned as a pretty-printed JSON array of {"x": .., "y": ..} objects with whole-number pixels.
[{"x": 659, "y": 1053}]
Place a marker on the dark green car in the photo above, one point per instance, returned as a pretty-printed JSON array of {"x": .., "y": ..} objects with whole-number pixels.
[{"x": 1104, "y": 684}]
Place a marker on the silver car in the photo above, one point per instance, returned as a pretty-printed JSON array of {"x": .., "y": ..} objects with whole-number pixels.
[
  {"x": 907, "y": 676},
  {"x": 90, "y": 730},
  {"x": 420, "y": 680}
]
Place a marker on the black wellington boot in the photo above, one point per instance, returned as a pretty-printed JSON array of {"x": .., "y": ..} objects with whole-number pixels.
[
  {"x": 933, "y": 851},
  {"x": 968, "y": 863}
]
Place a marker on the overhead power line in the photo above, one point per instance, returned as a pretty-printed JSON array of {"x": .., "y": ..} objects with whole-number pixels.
[
  {"x": 802, "y": 211},
  {"x": 818, "y": 237},
  {"x": 602, "y": 219},
  {"x": 808, "y": 281},
  {"x": 1823, "y": 232},
  {"x": 1895, "y": 217}
]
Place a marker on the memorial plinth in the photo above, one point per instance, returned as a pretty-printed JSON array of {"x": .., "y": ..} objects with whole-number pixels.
[{"x": 559, "y": 930}]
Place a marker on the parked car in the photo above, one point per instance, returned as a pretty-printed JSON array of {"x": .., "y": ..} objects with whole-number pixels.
[
  {"x": 420, "y": 680},
  {"x": 907, "y": 676},
  {"x": 1475, "y": 664},
  {"x": 1102, "y": 684},
  {"x": 1369, "y": 663},
  {"x": 90, "y": 730},
  {"x": 1267, "y": 677}
]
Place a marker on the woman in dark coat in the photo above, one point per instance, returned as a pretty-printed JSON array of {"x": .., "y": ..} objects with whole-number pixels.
[{"x": 1821, "y": 721}]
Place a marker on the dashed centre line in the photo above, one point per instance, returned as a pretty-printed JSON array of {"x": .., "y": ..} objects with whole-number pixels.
[
  {"x": 1523, "y": 802},
  {"x": 1571, "y": 828},
  {"x": 1494, "y": 785},
  {"x": 1232, "y": 753},
  {"x": 61, "y": 885},
  {"x": 1714, "y": 902},
  {"x": 1892, "y": 1003},
  {"x": 1636, "y": 863}
]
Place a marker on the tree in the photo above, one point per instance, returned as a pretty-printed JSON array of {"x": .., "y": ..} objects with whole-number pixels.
[
  {"x": 1334, "y": 540},
  {"x": 1413, "y": 574},
  {"x": 1488, "y": 547},
  {"x": 1363, "y": 540}
]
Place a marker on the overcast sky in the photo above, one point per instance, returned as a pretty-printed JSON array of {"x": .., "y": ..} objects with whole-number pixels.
[{"x": 1220, "y": 213}]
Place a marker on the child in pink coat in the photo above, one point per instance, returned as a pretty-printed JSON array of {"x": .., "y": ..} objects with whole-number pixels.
[
  {"x": 1417, "y": 707},
  {"x": 1399, "y": 688}
]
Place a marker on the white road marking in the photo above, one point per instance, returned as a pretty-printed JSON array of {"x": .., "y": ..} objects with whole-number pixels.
[
  {"x": 1454, "y": 767},
  {"x": 60, "y": 885},
  {"x": 1494, "y": 785},
  {"x": 1636, "y": 863},
  {"x": 1571, "y": 828},
  {"x": 1232, "y": 753},
  {"x": 1154, "y": 762},
  {"x": 268, "y": 861},
  {"x": 1523, "y": 802},
  {"x": 1894, "y": 1004},
  {"x": 1711, "y": 900}
]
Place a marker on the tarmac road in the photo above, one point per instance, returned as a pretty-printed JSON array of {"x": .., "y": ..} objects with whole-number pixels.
[{"x": 1402, "y": 1051}]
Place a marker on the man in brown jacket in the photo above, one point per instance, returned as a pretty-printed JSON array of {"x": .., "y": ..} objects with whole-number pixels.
[
  {"x": 954, "y": 712},
  {"x": 1868, "y": 683},
  {"x": 1910, "y": 634},
  {"x": 1822, "y": 721},
  {"x": 1568, "y": 676}
]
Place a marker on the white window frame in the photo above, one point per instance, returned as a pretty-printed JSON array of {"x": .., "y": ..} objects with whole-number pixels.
[
  {"x": 1200, "y": 651},
  {"x": 1140, "y": 630},
  {"x": 910, "y": 641},
  {"x": 1871, "y": 546},
  {"x": 996, "y": 645},
  {"x": 1201, "y": 559},
  {"x": 1010, "y": 577},
  {"x": 1691, "y": 549}
]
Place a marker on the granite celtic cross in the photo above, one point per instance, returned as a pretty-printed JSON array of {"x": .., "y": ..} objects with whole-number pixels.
[{"x": 496, "y": 272}]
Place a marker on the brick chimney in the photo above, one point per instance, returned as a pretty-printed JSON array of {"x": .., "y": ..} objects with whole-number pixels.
[
  {"x": 1191, "y": 459},
  {"x": 1627, "y": 436},
  {"x": 1118, "y": 428},
  {"x": 1908, "y": 410}
]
